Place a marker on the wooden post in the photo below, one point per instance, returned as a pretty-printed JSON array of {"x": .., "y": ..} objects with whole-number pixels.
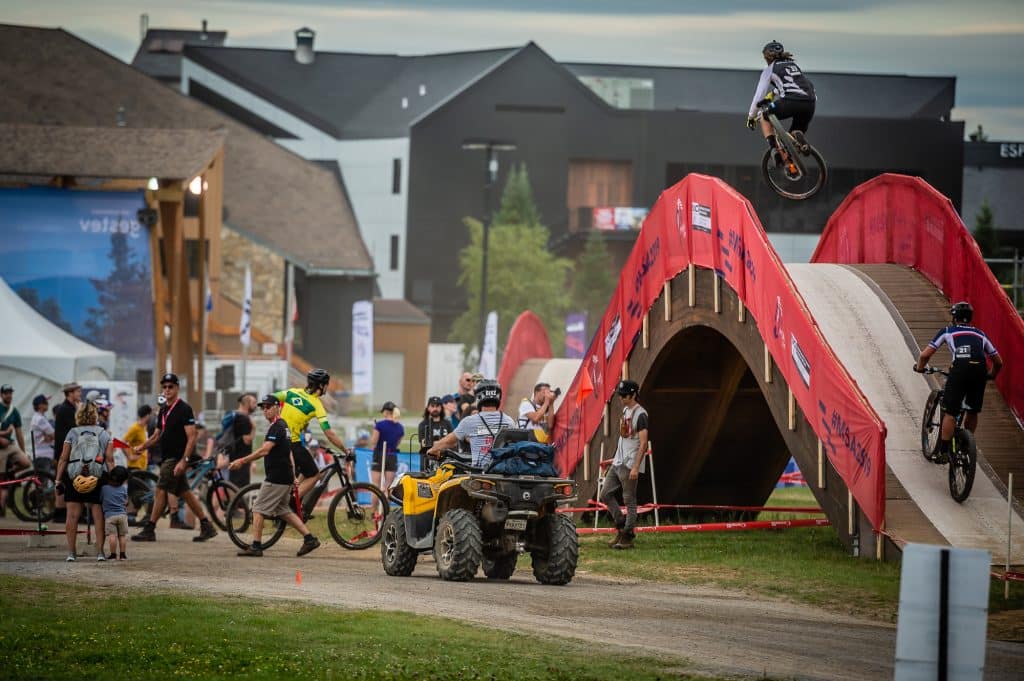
[
  {"x": 172, "y": 218},
  {"x": 666, "y": 292},
  {"x": 645, "y": 335},
  {"x": 197, "y": 395},
  {"x": 158, "y": 264},
  {"x": 742, "y": 311},
  {"x": 850, "y": 512},
  {"x": 718, "y": 293},
  {"x": 821, "y": 465},
  {"x": 625, "y": 369},
  {"x": 880, "y": 543},
  {"x": 791, "y": 408},
  {"x": 586, "y": 462},
  {"x": 691, "y": 280},
  {"x": 767, "y": 365},
  {"x": 604, "y": 420}
]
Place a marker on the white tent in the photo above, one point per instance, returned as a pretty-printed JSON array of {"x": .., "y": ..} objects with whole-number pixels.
[{"x": 37, "y": 357}]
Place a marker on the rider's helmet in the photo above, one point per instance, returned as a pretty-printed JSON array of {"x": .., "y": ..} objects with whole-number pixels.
[
  {"x": 773, "y": 50},
  {"x": 84, "y": 484},
  {"x": 317, "y": 378},
  {"x": 962, "y": 312},
  {"x": 488, "y": 393},
  {"x": 627, "y": 388}
]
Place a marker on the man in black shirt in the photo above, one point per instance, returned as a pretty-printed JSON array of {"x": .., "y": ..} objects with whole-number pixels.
[
  {"x": 63, "y": 422},
  {"x": 275, "y": 495},
  {"x": 433, "y": 427},
  {"x": 239, "y": 441},
  {"x": 176, "y": 432}
]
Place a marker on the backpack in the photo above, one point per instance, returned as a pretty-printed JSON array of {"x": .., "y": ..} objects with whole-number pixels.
[
  {"x": 524, "y": 458},
  {"x": 87, "y": 456},
  {"x": 226, "y": 440}
]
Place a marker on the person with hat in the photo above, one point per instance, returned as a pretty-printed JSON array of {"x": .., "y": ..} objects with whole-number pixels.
[
  {"x": 86, "y": 455},
  {"x": 479, "y": 429},
  {"x": 274, "y": 499},
  {"x": 63, "y": 422},
  {"x": 624, "y": 470},
  {"x": 384, "y": 441},
  {"x": 42, "y": 434},
  {"x": 176, "y": 432},
  {"x": 449, "y": 409},
  {"x": 433, "y": 427},
  {"x": 12, "y": 441}
]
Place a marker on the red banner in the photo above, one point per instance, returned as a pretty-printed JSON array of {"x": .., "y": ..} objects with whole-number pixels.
[
  {"x": 904, "y": 220},
  {"x": 704, "y": 221},
  {"x": 527, "y": 339}
]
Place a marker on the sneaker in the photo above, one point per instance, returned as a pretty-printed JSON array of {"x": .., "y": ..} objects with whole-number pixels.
[
  {"x": 121, "y": 557},
  {"x": 626, "y": 542},
  {"x": 308, "y": 546},
  {"x": 112, "y": 556},
  {"x": 206, "y": 531},
  {"x": 940, "y": 458},
  {"x": 71, "y": 558},
  {"x": 178, "y": 525},
  {"x": 100, "y": 558},
  {"x": 251, "y": 552},
  {"x": 618, "y": 538},
  {"x": 148, "y": 533}
]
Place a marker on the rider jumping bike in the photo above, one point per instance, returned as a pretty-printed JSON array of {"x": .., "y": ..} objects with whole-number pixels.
[{"x": 793, "y": 96}]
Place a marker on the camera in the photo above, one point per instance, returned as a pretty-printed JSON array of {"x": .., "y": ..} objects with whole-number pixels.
[{"x": 557, "y": 392}]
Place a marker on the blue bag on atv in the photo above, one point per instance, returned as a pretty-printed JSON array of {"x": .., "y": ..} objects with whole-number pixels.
[{"x": 524, "y": 458}]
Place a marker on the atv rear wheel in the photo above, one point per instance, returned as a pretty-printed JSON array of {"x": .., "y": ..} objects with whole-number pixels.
[
  {"x": 458, "y": 546},
  {"x": 500, "y": 566},
  {"x": 398, "y": 558},
  {"x": 555, "y": 561}
]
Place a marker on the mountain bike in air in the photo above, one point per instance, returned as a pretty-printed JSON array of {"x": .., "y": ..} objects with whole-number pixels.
[
  {"x": 963, "y": 451},
  {"x": 801, "y": 171}
]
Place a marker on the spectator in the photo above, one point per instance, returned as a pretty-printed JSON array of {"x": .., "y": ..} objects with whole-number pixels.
[
  {"x": 479, "y": 430},
  {"x": 236, "y": 440},
  {"x": 86, "y": 455},
  {"x": 385, "y": 441},
  {"x": 42, "y": 434},
  {"x": 115, "y": 513},
  {"x": 449, "y": 407},
  {"x": 433, "y": 427},
  {"x": 538, "y": 412},
  {"x": 624, "y": 470},
  {"x": 464, "y": 396},
  {"x": 63, "y": 422},
  {"x": 362, "y": 439},
  {"x": 136, "y": 436},
  {"x": 12, "y": 441}
]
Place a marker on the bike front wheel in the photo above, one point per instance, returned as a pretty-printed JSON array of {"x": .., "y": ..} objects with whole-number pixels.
[
  {"x": 808, "y": 181},
  {"x": 963, "y": 462},
  {"x": 38, "y": 499},
  {"x": 356, "y": 516},
  {"x": 218, "y": 496},
  {"x": 238, "y": 520},
  {"x": 931, "y": 425}
]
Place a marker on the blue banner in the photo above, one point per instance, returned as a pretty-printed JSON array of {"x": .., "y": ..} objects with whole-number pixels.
[{"x": 575, "y": 335}]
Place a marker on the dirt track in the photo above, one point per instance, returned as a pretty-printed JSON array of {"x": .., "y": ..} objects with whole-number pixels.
[{"x": 719, "y": 631}]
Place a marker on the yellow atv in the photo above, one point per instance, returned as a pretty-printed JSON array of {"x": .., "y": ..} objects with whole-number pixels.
[{"x": 469, "y": 518}]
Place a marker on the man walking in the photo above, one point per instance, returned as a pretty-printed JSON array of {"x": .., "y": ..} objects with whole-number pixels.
[
  {"x": 63, "y": 422},
  {"x": 176, "y": 432},
  {"x": 625, "y": 468},
  {"x": 237, "y": 439}
]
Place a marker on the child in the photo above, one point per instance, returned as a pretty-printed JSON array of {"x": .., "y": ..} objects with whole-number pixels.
[{"x": 115, "y": 498}]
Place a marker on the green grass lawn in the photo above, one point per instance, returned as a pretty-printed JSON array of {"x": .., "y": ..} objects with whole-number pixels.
[{"x": 54, "y": 630}]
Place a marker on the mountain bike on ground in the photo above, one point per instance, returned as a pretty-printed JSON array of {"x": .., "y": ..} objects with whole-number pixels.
[
  {"x": 799, "y": 171},
  {"x": 352, "y": 516},
  {"x": 963, "y": 451},
  {"x": 31, "y": 494},
  {"x": 204, "y": 478}
]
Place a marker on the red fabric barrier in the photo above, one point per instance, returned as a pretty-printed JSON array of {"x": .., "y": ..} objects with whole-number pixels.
[
  {"x": 704, "y": 221},
  {"x": 527, "y": 339},
  {"x": 904, "y": 220},
  {"x": 716, "y": 527}
]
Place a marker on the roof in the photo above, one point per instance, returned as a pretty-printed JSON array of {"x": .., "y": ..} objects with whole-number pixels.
[
  {"x": 106, "y": 152},
  {"x": 839, "y": 94},
  {"x": 159, "y": 53},
  {"x": 398, "y": 311},
  {"x": 350, "y": 95},
  {"x": 272, "y": 196}
]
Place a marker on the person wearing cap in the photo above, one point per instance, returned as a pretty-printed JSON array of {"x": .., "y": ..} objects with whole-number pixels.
[
  {"x": 176, "y": 432},
  {"x": 12, "y": 441},
  {"x": 384, "y": 441},
  {"x": 433, "y": 427},
  {"x": 449, "y": 408},
  {"x": 274, "y": 499},
  {"x": 624, "y": 470},
  {"x": 42, "y": 434},
  {"x": 63, "y": 422},
  {"x": 537, "y": 413}
]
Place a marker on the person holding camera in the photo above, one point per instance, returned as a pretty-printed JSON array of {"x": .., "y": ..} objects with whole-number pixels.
[{"x": 537, "y": 413}]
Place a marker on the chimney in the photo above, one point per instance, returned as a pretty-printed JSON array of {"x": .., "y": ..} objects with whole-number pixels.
[
  {"x": 304, "y": 45},
  {"x": 202, "y": 35},
  {"x": 143, "y": 26}
]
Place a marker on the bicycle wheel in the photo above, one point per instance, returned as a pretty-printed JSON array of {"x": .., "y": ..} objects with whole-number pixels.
[
  {"x": 931, "y": 425},
  {"x": 141, "y": 486},
  {"x": 803, "y": 185},
  {"x": 38, "y": 499},
  {"x": 239, "y": 520},
  {"x": 963, "y": 462},
  {"x": 218, "y": 495},
  {"x": 356, "y": 516}
]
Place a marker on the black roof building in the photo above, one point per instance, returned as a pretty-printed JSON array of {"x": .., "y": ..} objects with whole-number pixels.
[{"x": 159, "y": 53}]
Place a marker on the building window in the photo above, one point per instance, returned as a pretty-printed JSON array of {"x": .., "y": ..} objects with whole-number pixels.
[
  {"x": 396, "y": 176},
  {"x": 394, "y": 252},
  {"x": 622, "y": 93}
]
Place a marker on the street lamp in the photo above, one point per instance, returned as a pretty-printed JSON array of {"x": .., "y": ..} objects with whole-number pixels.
[{"x": 490, "y": 148}]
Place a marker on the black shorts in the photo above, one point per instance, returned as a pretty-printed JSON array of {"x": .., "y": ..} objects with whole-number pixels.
[
  {"x": 965, "y": 386},
  {"x": 304, "y": 463},
  {"x": 800, "y": 110},
  {"x": 73, "y": 496},
  {"x": 390, "y": 464}
]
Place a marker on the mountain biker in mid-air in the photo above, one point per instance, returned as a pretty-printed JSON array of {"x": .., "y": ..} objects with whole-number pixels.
[
  {"x": 971, "y": 349},
  {"x": 793, "y": 96}
]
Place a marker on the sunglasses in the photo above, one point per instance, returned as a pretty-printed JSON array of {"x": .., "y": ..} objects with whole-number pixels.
[
  {"x": 265, "y": 407},
  {"x": 168, "y": 386}
]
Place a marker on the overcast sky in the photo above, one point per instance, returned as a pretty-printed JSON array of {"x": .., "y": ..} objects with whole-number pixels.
[{"x": 981, "y": 42}]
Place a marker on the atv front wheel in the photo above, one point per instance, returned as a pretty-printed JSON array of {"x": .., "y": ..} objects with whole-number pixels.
[
  {"x": 554, "y": 562},
  {"x": 398, "y": 558},
  {"x": 500, "y": 567},
  {"x": 458, "y": 546}
]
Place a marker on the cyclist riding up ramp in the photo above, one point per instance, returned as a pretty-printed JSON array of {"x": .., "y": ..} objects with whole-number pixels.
[{"x": 874, "y": 344}]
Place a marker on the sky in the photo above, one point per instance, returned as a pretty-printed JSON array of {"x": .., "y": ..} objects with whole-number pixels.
[{"x": 981, "y": 42}]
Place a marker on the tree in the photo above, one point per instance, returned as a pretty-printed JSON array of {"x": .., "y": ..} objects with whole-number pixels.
[
  {"x": 595, "y": 280},
  {"x": 119, "y": 320},
  {"x": 522, "y": 273},
  {"x": 978, "y": 135},
  {"x": 48, "y": 307},
  {"x": 985, "y": 231}
]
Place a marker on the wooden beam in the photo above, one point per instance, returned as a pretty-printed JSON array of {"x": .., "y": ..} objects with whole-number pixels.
[
  {"x": 159, "y": 292},
  {"x": 666, "y": 291},
  {"x": 821, "y": 465},
  {"x": 172, "y": 217},
  {"x": 767, "y": 365},
  {"x": 717, "y": 288},
  {"x": 691, "y": 283},
  {"x": 791, "y": 408},
  {"x": 645, "y": 336},
  {"x": 742, "y": 314}
]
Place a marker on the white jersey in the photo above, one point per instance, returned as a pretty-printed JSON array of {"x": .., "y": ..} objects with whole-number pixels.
[
  {"x": 786, "y": 80},
  {"x": 480, "y": 430}
]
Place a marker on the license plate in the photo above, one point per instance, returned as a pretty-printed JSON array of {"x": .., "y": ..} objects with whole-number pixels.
[{"x": 515, "y": 524}]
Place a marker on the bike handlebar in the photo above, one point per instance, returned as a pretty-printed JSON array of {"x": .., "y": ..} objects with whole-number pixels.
[{"x": 931, "y": 370}]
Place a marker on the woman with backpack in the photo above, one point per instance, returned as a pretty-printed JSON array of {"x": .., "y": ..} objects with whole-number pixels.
[{"x": 86, "y": 456}]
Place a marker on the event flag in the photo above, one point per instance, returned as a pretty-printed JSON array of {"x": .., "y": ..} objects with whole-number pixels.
[
  {"x": 489, "y": 357},
  {"x": 245, "y": 325}
]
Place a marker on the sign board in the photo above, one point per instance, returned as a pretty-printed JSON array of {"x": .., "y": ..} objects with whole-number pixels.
[
  {"x": 362, "y": 347},
  {"x": 124, "y": 405},
  {"x": 609, "y": 218}
]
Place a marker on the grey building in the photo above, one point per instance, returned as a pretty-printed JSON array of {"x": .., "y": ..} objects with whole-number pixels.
[{"x": 994, "y": 174}]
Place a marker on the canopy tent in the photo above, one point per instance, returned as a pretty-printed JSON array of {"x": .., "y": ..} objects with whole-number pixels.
[{"x": 37, "y": 357}]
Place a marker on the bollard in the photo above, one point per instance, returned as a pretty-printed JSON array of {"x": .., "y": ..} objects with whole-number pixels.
[{"x": 298, "y": 578}]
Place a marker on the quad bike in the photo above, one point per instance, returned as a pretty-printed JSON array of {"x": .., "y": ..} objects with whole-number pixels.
[{"x": 469, "y": 518}]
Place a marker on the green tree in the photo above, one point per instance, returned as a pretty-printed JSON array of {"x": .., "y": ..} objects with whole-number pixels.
[
  {"x": 122, "y": 317},
  {"x": 978, "y": 135},
  {"x": 522, "y": 273},
  {"x": 48, "y": 307},
  {"x": 985, "y": 231},
  {"x": 595, "y": 280}
]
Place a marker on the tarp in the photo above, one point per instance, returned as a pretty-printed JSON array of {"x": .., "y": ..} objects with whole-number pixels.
[
  {"x": 904, "y": 220},
  {"x": 703, "y": 221},
  {"x": 37, "y": 357},
  {"x": 527, "y": 339}
]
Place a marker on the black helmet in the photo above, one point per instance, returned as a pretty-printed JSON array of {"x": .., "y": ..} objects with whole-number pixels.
[
  {"x": 318, "y": 378},
  {"x": 488, "y": 393},
  {"x": 627, "y": 388},
  {"x": 962, "y": 312},
  {"x": 774, "y": 49}
]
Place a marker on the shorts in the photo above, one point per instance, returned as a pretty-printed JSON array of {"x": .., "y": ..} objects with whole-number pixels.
[
  {"x": 965, "y": 385},
  {"x": 304, "y": 463},
  {"x": 274, "y": 500},
  {"x": 390, "y": 464},
  {"x": 800, "y": 110},
  {"x": 9, "y": 452},
  {"x": 73, "y": 496},
  {"x": 168, "y": 481},
  {"x": 115, "y": 525}
]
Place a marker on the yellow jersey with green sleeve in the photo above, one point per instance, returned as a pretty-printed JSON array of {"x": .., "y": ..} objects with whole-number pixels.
[{"x": 298, "y": 408}]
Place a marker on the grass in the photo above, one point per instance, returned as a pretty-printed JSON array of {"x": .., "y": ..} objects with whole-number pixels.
[{"x": 55, "y": 630}]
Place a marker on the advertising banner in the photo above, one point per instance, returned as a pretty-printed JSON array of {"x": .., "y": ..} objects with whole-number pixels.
[
  {"x": 609, "y": 218},
  {"x": 362, "y": 347},
  {"x": 489, "y": 357},
  {"x": 124, "y": 404},
  {"x": 575, "y": 335},
  {"x": 82, "y": 260}
]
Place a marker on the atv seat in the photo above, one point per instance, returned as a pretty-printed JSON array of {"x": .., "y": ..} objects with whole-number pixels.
[{"x": 510, "y": 435}]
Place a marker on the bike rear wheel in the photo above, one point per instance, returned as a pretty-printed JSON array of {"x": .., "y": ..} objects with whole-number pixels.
[
  {"x": 812, "y": 178},
  {"x": 38, "y": 499},
  {"x": 218, "y": 496},
  {"x": 931, "y": 425},
  {"x": 141, "y": 489},
  {"x": 239, "y": 520},
  {"x": 963, "y": 462},
  {"x": 356, "y": 516}
]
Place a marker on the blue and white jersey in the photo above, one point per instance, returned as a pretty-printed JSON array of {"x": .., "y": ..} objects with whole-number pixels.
[
  {"x": 967, "y": 344},
  {"x": 786, "y": 80},
  {"x": 480, "y": 430}
]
